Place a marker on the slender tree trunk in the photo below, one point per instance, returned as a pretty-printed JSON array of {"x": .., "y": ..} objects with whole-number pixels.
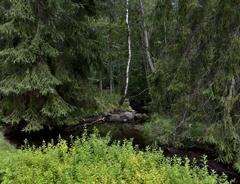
[
  {"x": 146, "y": 67},
  {"x": 165, "y": 29},
  {"x": 119, "y": 79},
  {"x": 110, "y": 62},
  {"x": 129, "y": 58},
  {"x": 100, "y": 81},
  {"x": 112, "y": 84},
  {"x": 111, "y": 78},
  {"x": 146, "y": 39},
  {"x": 145, "y": 64}
]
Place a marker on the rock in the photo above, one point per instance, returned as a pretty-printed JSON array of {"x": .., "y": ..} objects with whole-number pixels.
[
  {"x": 127, "y": 115},
  {"x": 138, "y": 127},
  {"x": 69, "y": 129},
  {"x": 145, "y": 116},
  {"x": 115, "y": 117},
  {"x": 138, "y": 116},
  {"x": 106, "y": 113}
]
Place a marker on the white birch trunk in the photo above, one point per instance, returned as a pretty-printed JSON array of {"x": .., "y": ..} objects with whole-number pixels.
[
  {"x": 146, "y": 39},
  {"x": 129, "y": 58}
]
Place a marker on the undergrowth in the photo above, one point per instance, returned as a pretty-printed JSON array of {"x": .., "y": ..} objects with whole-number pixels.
[
  {"x": 184, "y": 134},
  {"x": 110, "y": 102},
  {"x": 160, "y": 129},
  {"x": 92, "y": 160}
]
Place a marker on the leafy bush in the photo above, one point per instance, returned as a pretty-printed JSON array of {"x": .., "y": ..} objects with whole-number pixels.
[{"x": 91, "y": 160}]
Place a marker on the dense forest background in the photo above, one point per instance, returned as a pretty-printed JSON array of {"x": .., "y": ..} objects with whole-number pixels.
[{"x": 178, "y": 58}]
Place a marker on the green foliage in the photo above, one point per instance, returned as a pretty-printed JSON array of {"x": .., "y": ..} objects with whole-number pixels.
[
  {"x": 4, "y": 146},
  {"x": 47, "y": 50},
  {"x": 107, "y": 102},
  {"x": 164, "y": 130},
  {"x": 197, "y": 75},
  {"x": 161, "y": 129},
  {"x": 91, "y": 160},
  {"x": 53, "y": 53}
]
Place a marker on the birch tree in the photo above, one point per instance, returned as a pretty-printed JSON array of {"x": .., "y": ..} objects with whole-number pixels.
[{"x": 129, "y": 57}]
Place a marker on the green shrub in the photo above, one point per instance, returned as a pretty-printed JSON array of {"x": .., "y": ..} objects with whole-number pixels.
[{"x": 91, "y": 160}]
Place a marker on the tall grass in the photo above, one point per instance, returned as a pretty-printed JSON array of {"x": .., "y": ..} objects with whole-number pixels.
[{"x": 92, "y": 160}]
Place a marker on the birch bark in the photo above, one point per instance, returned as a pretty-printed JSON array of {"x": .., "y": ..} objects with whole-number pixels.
[{"x": 129, "y": 58}]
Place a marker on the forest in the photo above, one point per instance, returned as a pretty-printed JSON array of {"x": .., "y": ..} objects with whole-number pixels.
[{"x": 177, "y": 59}]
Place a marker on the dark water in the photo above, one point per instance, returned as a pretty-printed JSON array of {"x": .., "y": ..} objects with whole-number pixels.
[{"x": 118, "y": 131}]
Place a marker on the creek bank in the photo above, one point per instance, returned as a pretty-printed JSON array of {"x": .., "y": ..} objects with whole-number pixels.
[
  {"x": 197, "y": 155},
  {"x": 126, "y": 126},
  {"x": 121, "y": 116},
  {"x": 119, "y": 132},
  {"x": 118, "y": 116},
  {"x": 130, "y": 128}
]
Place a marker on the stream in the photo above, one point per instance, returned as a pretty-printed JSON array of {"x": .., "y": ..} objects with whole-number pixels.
[{"x": 119, "y": 131}]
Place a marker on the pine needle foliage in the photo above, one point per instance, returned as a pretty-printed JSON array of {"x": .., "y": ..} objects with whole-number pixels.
[
  {"x": 47, "y": 49},
  {"x": 197, "y": 80}
]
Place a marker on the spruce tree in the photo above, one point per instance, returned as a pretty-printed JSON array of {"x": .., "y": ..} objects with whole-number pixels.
[
  {"x": 197, "y": 79},
  {"x": 46, "y": 50}
]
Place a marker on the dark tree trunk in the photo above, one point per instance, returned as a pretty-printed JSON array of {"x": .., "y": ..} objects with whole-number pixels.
[{"x": 110, "y": 62}]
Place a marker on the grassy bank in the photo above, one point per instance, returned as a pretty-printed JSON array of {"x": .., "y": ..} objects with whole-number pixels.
[
  {"x": 5, "y": 146},
  {"x": 91, "y": 160},
  {"x": 110, "y": 102},
  {"x": 102, "y": 102}
]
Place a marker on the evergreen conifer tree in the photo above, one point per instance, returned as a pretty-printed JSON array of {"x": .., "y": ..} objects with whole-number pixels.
[
  {"x": 197, "y": 80},
  {"x": 47, "y": 48}
]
